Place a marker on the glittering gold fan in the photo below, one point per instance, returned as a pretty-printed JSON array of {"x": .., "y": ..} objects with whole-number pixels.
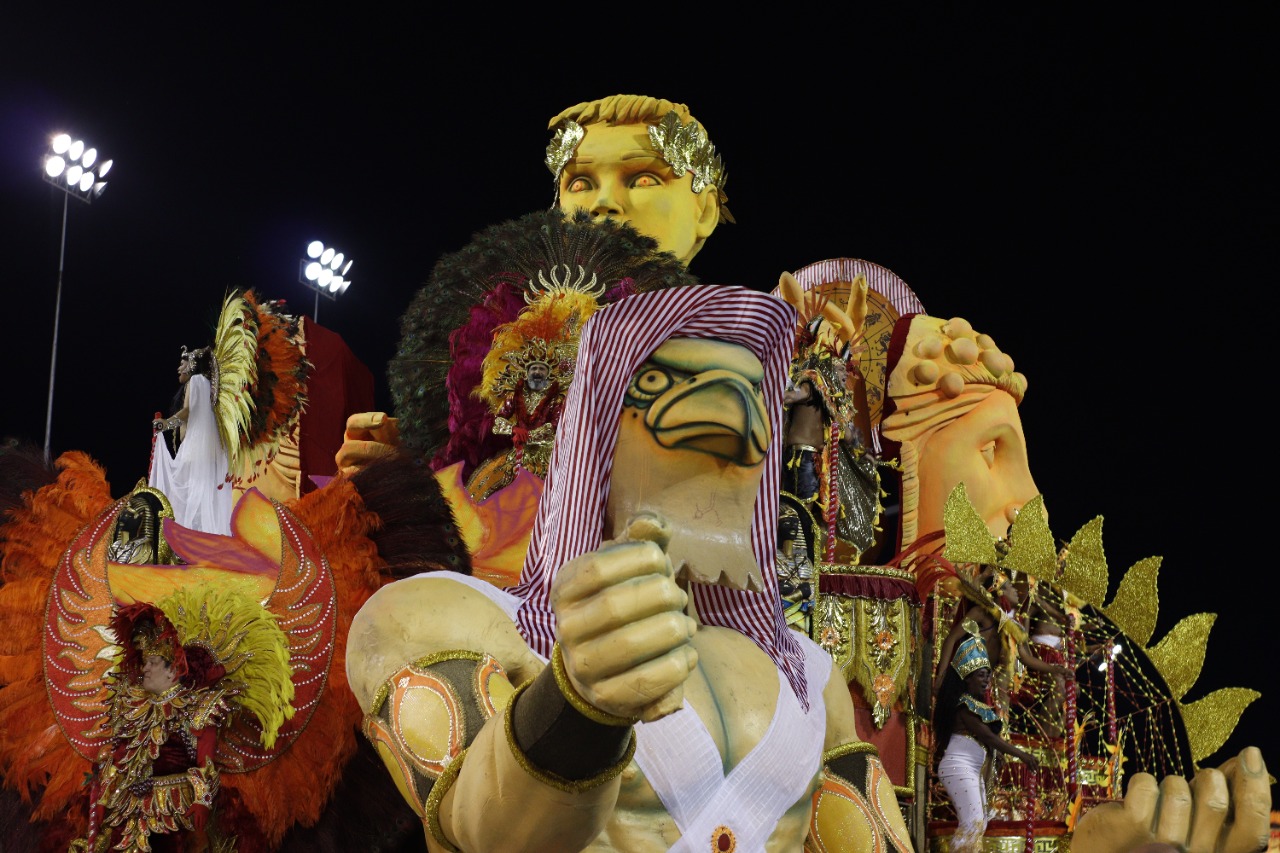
[{"x": 1081, "y": 569}]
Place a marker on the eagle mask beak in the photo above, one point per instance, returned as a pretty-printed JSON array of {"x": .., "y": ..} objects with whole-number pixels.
[
  {"x": 707, "y": 400},
  {"x": 693, "y": 434}
]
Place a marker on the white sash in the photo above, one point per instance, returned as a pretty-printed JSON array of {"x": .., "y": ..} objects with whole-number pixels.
[{"x": 682, "y": 763}]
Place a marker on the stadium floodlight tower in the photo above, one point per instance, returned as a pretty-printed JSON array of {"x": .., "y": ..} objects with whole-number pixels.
[
  {"x": 80, "y": 173},
  {"x": 324, "y": 270}
]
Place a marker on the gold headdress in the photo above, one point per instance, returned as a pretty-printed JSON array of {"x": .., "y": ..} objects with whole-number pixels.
[
  {"x": 563, "y": 145},
  {"x": 545, "y": 332},
  {"x": 826, "y": 334},
  {"x": 151, "y": 639},
  {"x": 684, "y": 147},
  {"x": 970, "y": 656}
]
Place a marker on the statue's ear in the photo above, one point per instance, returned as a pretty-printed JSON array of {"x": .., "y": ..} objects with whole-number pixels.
[{"x": 708, "y": 211}]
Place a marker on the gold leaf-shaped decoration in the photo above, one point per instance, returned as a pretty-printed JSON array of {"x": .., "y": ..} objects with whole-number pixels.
[
  {"x": 1137, "y": 601},
  {"x": 1179, "y": 657},
  {"x": 1031, "y": 542},
  {"x": 1211, "y": 720},
  {"x": 1085, "y": 573},
  {"x": 968, "y": 540}
]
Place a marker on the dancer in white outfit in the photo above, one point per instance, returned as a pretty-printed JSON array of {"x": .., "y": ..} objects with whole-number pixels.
[
  {"x": 195, "y": 477},
  {"x": 966, "y": 728}
]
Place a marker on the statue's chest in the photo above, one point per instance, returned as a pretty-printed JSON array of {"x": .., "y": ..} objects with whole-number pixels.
[
  {"x": 734, "y": 692},
  {"x": 741, "y": 753}
]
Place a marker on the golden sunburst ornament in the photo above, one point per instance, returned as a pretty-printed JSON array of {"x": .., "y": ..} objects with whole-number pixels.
[{"x": 1178, "y": 657}]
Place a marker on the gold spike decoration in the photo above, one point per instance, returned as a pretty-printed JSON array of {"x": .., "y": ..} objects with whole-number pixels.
[
  {"x": 1211, "y": 720},
  {"x": 1085, "y": 573},
  {"x": 968, "y": 540},
  {"x": 1031, "y": 543},
  {"x": 1179, "y": 657},
  {"x": 1137, "y": 601}
]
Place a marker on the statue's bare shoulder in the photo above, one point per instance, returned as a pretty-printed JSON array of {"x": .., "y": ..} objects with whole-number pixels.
[{"x": 418, "y": 617}]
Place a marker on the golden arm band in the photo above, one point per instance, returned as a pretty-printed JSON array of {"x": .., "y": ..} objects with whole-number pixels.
[
  {"x": 579, "y": 704},
  {"x": 426, "y": 714},
  {"x": 572, "y": 786},
  {"x": 855, "y": 809}
]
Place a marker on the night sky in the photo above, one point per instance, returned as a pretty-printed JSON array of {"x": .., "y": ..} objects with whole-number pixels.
[{"x": 1090, "y": 192}]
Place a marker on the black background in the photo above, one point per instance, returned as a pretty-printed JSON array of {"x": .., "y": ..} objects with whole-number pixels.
[{"x": 1089, "y": 190}]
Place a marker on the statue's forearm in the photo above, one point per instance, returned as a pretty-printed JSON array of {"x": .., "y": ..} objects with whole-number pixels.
[{"x": 547, "y": 777}]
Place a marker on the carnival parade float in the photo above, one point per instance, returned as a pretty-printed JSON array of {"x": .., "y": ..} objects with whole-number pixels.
[{"x": 637, "y": 563}]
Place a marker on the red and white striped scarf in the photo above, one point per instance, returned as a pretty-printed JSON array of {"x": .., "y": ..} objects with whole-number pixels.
[{"x": 615, "y": 341}]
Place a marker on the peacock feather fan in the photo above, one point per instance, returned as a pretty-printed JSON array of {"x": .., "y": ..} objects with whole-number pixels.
[{"x": 448, "y": 328}]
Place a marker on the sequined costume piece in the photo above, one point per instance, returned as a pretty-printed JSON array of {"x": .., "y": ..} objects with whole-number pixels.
[
  {"x": 157, "y": 775},
  {"x": 960, "y": 772},
  {"x": 426, "y": 714}
]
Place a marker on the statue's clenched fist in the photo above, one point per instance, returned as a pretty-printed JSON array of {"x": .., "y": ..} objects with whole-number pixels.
[
  {"x": 626, "y": 641},
  {"x": 1222, "y": 810},
  {"x": 369, "y": 436}
]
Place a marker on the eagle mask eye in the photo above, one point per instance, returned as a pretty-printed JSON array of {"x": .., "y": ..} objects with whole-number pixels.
[{"x": 648, "y": 384}]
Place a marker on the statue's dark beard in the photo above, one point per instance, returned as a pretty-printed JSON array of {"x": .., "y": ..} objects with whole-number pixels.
[{"x": 537, "y": 384}]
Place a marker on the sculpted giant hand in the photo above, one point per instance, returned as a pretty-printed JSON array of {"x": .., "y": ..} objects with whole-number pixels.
[
  {"x": 369, "y": 437},
  {"x": 1223, "y": 810},
  {"x": 623, "y": 633}
]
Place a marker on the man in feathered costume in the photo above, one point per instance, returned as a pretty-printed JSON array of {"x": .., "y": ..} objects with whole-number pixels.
[{"x": 173, "y": 688}]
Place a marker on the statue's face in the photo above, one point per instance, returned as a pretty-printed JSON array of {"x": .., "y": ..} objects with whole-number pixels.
[
  {"x": 699, "y": 396},
  {"x": 157, "y": 675},
  {"x": 692, "y": 438},
  {"x": 616, "y": 173},
  {"x": 987, "y": 451}
]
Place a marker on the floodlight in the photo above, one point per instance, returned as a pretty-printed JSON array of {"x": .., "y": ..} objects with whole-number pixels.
[
  {"x": 325, "y": 273},
  {"x": 69, "y": 166}
]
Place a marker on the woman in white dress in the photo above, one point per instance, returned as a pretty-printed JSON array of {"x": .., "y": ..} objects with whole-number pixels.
[{"x": 195, "y": 478}]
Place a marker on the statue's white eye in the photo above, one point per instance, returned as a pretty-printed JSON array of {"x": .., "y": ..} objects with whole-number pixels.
[{"x": 647, "y": 385}]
